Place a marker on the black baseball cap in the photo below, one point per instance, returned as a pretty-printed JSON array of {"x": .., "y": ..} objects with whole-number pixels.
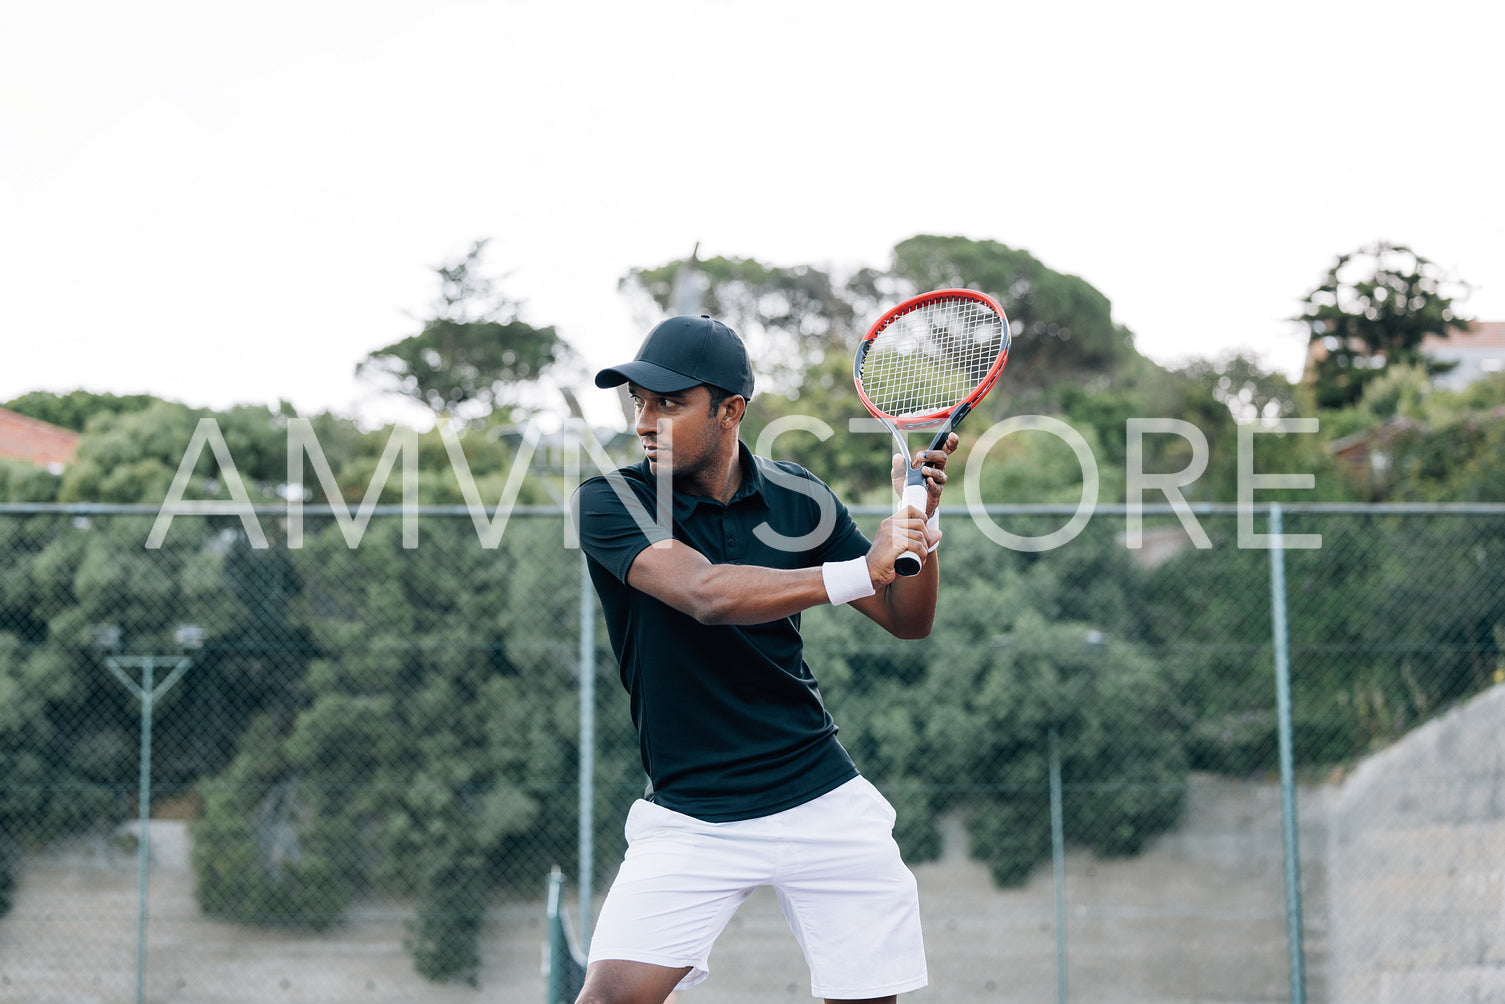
[{"x": 683, "y": 352}]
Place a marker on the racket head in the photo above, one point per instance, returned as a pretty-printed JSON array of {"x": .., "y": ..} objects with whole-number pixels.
[{"x": 929, "y": 354}]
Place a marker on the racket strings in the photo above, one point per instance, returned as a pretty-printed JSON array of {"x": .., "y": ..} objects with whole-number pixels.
[{"x": 932, "y": 357}]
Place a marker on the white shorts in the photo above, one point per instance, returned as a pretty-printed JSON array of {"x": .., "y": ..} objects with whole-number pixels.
[{"x": 832, "y": 862}]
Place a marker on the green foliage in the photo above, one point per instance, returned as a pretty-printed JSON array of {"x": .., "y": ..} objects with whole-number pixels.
[
  {"x": 445, "y": 937},
  {"x": 962, "y": 722},
  {"x": 66, "y": 731},
  {"x": 282, "y": 840},
  {"x": 24, "y": 482},
  {"x": 262, "y": 853},
  {"x": 474, "y": 355},
  {"x": 425, "y": 760},
  {"x": 792, "y": 317},
  {"x": 74, "y": 409},
  {"x": 1405, "y": 581},
  {"x": 1063, "y": 326},
  {"x": 1238, "y": 382},
  {"x": 7, "y": 878},
  {"x": 1457, "y": 460},
  {"x": 1423, "y": 444},
  {"x": 795, "y": 317},
  {"x": 1123, "y": 767},
  {"x": 801, "y": 327},
  {"x": 1371, "y": 312},
  {"x": 133, "y": 456},
  {"x": 458, "y": 367},
  {"x": 1398, "y": 390}
]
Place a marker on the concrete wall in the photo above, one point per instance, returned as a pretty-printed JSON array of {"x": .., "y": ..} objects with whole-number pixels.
[{"x": 1416, "y": 866}]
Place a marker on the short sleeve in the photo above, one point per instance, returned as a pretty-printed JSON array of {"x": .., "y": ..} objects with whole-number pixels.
[{"x": 614, "y": 521}]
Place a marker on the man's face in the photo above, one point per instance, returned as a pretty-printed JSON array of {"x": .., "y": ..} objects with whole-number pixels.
[{"x": 677, "y": 428}]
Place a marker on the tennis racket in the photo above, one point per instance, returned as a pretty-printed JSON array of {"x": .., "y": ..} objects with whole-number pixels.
[{"x": 928, "y": 362}]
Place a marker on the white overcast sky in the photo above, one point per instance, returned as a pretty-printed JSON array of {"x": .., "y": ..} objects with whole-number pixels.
[{"x": 226, "y": 203}]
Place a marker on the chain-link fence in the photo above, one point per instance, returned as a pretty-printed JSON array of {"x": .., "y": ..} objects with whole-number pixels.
[{"x": 360, "y": 764}]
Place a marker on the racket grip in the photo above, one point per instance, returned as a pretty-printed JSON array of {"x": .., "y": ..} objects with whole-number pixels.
[{"x": 916, "y": 496}]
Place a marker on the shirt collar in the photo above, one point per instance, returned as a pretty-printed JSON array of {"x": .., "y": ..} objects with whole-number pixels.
[{"x": 751, "y": 489}]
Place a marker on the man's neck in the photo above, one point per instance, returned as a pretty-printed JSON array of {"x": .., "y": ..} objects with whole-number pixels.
[{"x": 718, "y": 481}]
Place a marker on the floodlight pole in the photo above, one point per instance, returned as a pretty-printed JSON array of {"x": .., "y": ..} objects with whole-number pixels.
[{"x": 148, "y": 691}]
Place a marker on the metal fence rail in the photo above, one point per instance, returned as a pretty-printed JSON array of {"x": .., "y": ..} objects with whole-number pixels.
[{"x": 335, "y": 772}]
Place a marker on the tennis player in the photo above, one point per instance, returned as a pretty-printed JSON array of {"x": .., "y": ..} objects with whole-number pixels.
[{"x": 748, "y": 785}]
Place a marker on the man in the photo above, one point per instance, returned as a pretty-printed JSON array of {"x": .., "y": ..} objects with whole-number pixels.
[{"x": 747, "y": 783}]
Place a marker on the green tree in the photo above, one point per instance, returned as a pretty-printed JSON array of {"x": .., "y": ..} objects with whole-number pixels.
[
  {"x": 133, "y": 456},
  {"x": 1240, "y": 382},
  {"x": 1063, "y": 327},
  {"x": 802, "y": 327},
  {"x": 790, "y": 316},
  {"x": 74, "y": 409},
  {"x": 1372, "y": 311},
  {"x": 1023, "y": 645},
  {"x": 21, "y": 481},
  {"x": 426, "y": 756},
  {"x": 474, "y": 355}
]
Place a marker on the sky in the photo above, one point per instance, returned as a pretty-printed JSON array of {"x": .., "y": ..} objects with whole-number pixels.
[{"x": 224, "y": 203}]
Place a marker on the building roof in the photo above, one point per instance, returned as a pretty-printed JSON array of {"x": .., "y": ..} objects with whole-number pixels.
[
  {"x": 1479, "y": 335},
  {"x": 35, "y": 441},
  {"x": 1475, "y": 351}
]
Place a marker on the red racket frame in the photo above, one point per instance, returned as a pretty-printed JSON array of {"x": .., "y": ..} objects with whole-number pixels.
[{"x": 909, "y": 306}]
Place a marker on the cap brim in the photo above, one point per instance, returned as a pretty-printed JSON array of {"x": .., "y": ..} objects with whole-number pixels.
[{"x": 649, "y": 376}]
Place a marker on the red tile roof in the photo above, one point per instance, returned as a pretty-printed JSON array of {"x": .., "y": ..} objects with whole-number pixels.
[{"x": 35, "y": 441}]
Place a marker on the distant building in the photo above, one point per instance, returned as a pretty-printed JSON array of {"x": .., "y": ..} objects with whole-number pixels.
[
  {"x": 1479, "y": 350},
  {"x": 1367, "y": 454},
  {"x": 36, "y": 442}
]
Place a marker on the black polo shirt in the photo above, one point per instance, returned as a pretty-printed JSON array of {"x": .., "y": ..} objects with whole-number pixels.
[{"x": 730, "y": 720}]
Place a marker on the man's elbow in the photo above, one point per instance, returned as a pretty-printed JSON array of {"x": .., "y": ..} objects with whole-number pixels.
[
  {"x": 912, "y": 630},
  {"x": 710, "y": 604},
  {"x": 710, "y": 612}
]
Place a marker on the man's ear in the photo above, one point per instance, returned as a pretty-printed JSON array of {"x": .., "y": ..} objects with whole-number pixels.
[{"x": 732, "y": 410}]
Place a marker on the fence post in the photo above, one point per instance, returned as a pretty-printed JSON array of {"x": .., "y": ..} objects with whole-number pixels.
[
  {"x": 1287, "y": 760},
  {"x": 1058, "y": 861},
  {"x": 566, "y": 965},
  {"x": 587, "y": 835}
]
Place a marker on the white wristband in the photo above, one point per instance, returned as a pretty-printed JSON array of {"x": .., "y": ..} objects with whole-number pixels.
[
  {"x": 933, "y": 524},
  {"x": 846, "y": 580}
]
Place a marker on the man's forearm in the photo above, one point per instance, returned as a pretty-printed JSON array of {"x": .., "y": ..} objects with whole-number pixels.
[{"x": 725, "y": 593}]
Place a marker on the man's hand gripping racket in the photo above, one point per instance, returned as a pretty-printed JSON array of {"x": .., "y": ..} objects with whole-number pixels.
[{"x": 928, "y": 362}]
